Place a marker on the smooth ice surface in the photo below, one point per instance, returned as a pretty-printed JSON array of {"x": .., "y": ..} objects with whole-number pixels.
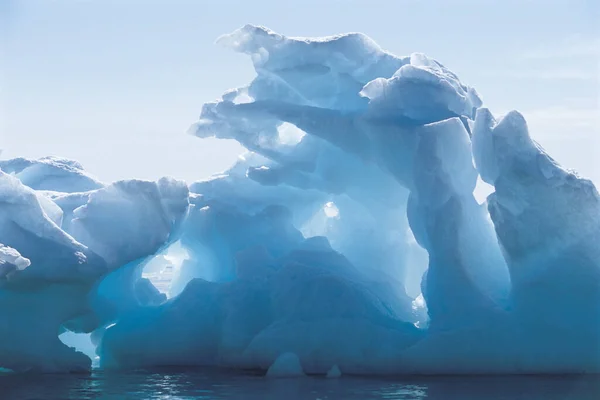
[
  {"x": 129, "y": 219},
  {"x": 347, "y": 239}
]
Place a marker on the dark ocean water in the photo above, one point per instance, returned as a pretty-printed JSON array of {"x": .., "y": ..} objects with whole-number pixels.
[{"x": 202, "y": 384}]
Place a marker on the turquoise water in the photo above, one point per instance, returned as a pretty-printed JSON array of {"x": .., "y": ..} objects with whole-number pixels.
[{"x": 209, "y": 384}]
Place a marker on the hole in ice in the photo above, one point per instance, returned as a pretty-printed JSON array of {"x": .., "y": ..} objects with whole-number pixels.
[
  {"x": 419, "y": 302},
  {"x": 331, "y": 210},
  {"x": 419, "y": 306},
  {"x": 81, "y": 342},
  {"x": 319, "y": 223},
  {"x": 163, "y": 267},
  {"x": 290, "y": 134},
  {"x": 482, "y": 190},
  {"x": 243, "y": 98}
]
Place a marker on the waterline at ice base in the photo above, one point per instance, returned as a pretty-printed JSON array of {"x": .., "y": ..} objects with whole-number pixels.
[{"x": 347, "y": 240}]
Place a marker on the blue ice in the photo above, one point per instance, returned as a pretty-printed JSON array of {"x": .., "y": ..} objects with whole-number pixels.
[{"x": 347, "y": 238}]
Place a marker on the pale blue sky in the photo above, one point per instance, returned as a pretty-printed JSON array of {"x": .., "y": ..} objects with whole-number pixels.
[{"x": 115, "y": 84}]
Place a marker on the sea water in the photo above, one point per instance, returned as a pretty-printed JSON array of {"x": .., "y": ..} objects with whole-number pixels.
[{"x": 176, "y": 383}]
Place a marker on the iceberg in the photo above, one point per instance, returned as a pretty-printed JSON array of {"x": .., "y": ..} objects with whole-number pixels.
[
  {"x": 547, "y": 220},
  {"x": 49, "y": 277},
  {"x": 347, "y": 238},
  {"x": 129, "y": 219},
  {"x": 51, "y": 173},
  {"x": 46, "y": 275}
]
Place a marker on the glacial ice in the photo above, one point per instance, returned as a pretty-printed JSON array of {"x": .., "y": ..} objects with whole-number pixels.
[
  {"x": 346, "y": 240},
  {"x": 286, "y": 365},
  {"x": 59, "y": 288},
  {"x": 36, "y": 300},
  {"x": 11, "y": 260},
  {"x": 51, "y": 173}
]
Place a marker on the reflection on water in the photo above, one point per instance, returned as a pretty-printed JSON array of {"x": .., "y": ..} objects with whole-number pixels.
[{"x": 202, "y": 384}]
